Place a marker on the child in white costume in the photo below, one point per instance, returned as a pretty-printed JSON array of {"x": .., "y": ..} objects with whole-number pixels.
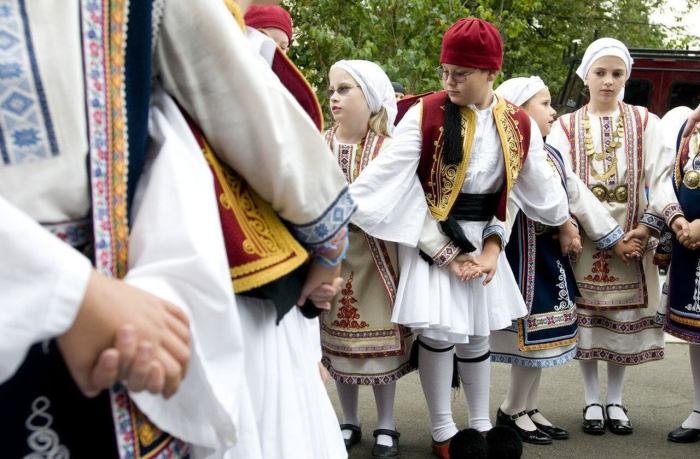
[{"x": 490, "y": 150}]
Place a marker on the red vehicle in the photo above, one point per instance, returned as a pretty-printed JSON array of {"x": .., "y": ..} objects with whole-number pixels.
[{"x": 661, "y": 80}]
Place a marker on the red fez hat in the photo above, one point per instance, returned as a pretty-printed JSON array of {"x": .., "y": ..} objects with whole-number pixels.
[
  {"x": 473, "y": 43},
  {"x": 269, "y": 16}
]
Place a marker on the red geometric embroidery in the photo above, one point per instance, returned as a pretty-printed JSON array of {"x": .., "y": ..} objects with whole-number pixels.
[
  {"x": 348, "y": 314},
  {"x": 600, "y": 269}
]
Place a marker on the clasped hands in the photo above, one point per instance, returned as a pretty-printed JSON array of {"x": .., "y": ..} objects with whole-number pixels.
[{"x": 688, "y": 234}]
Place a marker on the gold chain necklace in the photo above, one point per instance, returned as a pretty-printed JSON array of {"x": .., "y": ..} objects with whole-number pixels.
[{"x": 608, "y": 150}]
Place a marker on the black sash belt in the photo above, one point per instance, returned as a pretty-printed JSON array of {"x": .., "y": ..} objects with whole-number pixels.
[{"x": 475, "y": 207}]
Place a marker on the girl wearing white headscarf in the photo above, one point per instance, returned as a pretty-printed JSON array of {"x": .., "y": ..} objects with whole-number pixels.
[
  {"x": 615, "y": 148},
  {"x": 360, "y": 343},
  {"x": 538, "y": 256}
]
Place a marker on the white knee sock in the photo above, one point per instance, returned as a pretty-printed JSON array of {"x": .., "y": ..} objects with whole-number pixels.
[
  {"x": 521, "y": 381},
  {"x": 693, "y": 421},
  {"x": 384, "y": 399},
  {"x": 591, "y": 387},
  {"x": 616, "y": 377},
  {"x": 475, "y": 372},
  {"x": 435, "y": 371},
  {"x": 348, "y": 395},
  {"x": 533, "y": 401}
]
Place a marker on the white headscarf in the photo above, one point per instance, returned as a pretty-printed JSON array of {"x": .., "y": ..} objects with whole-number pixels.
[
  {"x": 521, "y": 89},
  {"x": 605, "y": 47},
  {"x": 375, "y": 85}
]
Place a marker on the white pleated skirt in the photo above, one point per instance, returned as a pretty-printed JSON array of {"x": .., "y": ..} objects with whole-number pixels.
[
  {"x": 294, "y": 416},
  {"x": 438, "y": 305}
]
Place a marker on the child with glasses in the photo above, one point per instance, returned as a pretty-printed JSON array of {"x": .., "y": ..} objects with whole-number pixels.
[
  {"x": 456, "y": 157},
  {"x": 361, "y": 345}
]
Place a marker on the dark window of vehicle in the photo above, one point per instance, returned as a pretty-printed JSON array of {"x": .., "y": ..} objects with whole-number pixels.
[
  {"x": 638, "y": 92},
  {"x": 684, "y": 93}
]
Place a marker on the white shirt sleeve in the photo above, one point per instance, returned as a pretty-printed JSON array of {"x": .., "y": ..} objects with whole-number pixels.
[
  {"x": 538, "y": 191},
  {"x": 176, "y": 252},
  {"x": 390, "y": 199},
  {"x": 42, "y": 284}
]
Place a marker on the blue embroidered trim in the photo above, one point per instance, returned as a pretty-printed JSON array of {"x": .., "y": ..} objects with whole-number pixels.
[
  {"x": 495, "y": 229},
  {"x": 26, "y": 133},
  {"x": 652, "y": 221},
  {"x": 534, "y": 362},
  {"x": 324, "y": 228},
  {"x": 609, "y": 240}
]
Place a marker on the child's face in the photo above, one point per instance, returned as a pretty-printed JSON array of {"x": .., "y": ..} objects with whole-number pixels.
[
  {"x": 606, "y": 78},
  {"x": 467, "y": 86},
  {"x": 348, "y": 104},
  {"x": 539, "y": 107}
]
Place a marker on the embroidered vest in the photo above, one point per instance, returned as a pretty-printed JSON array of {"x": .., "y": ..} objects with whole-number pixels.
[{"x": 442, "y": 182}]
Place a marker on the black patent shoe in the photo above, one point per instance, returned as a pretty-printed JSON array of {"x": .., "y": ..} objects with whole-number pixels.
[
  {"x": 380, "y": 451},
  {"x": 593, "y": 426},
  {"x": 355, "y": 436},
  {"x": 557, "y": 433},
  {"x": 618, "y": 426},
  {"x": 534, "y": 437},
  {"x": 682, "y": 435}
]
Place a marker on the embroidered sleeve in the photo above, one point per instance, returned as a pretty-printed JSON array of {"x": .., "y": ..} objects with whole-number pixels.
[
  {"x": 610, "y": 239},
  {"x": 446, "y": 254},
  {"x": 326, "y": 233},
  {"x": 652, "y": 221},
  {"x": 672, "y": 211},
  {"x": 497, "y": 230}
]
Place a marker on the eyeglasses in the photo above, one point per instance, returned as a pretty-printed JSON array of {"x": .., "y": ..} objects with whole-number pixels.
[
  {"x": 458, "y": 76},
  {"x": 341, "y": 90}
]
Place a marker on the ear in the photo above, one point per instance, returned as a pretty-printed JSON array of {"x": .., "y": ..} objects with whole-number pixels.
[{"x": 492, "y": 75}]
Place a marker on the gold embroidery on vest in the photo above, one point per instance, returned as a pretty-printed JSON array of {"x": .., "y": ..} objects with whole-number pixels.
[
  {"x": 264, "y": 233},
  {"x": 446, "y": 179},
  {"x": 511, "y": 140}
]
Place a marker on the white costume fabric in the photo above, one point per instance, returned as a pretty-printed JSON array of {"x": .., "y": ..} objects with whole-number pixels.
[
  {"x": 520, "y": 89},
  {"x": 430, "y": 300}
]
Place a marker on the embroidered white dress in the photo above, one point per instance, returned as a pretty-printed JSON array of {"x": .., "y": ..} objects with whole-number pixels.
[
  {"x": 618, "y": 304},
  {"x": 361, "y": 344},
  {"x": 431, "y": 300}
]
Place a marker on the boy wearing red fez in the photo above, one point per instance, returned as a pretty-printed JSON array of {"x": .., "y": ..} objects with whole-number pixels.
[{"x": 457, "y": 156}]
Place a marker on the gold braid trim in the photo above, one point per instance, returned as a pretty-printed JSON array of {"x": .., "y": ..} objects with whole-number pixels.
[
  {"x": 236, "y": 13},
  {"x": 510, "y": 137},
  {"x": 447, "y": 180}
]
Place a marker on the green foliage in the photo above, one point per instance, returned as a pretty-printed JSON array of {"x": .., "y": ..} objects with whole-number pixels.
[{"x": 404, "y": 36}]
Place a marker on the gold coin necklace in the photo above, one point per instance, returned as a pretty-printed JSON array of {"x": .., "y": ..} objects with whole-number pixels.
[{"x": 608, "y": 150}]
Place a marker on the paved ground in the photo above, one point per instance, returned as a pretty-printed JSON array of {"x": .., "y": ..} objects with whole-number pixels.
[{"x": 655, "y": 409}]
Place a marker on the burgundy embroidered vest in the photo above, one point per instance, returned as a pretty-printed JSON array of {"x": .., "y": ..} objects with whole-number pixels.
[{"x": 442, "y": 182}]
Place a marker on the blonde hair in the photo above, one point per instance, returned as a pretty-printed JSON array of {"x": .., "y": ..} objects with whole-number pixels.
[{"x": 379, "y": 121}]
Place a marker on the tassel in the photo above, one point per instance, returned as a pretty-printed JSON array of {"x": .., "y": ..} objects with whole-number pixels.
[
  {"x": 413, "y": 358},
  {"x": 452, "y": 134},
  {"x": 452, "y": 230},
  {"x": 455, "y": 373}
]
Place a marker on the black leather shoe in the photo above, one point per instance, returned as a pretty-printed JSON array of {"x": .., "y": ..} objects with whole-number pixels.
[
  {"x": 681, "y": 435},
  {"x": 380, "y": 451},
  {"x": 355, "y": 436},
  {"x": 617, "y": 426},
  {"x": 557, "y": 433},
  {"x": 535, "y": 437},
  {"x": 593, "y": 426}
]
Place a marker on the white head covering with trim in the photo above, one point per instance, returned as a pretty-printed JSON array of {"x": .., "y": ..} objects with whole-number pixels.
[
  {"x": 375, "y": 85},
  {"x": 521, "y": 89},
  {"x": 605, "y": 47}
]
